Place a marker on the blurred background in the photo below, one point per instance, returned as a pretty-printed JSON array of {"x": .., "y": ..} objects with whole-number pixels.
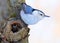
[{"x": 48, "y": 29}]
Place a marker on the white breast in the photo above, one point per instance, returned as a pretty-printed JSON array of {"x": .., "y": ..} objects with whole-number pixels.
[{"x": 29, "y": 19}]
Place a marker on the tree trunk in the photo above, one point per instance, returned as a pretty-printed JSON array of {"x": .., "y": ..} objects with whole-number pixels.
[{"x": 8, "y": 14}]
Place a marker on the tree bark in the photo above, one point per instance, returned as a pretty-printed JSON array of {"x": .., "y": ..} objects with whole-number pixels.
[{"x": 8, "y": 10}]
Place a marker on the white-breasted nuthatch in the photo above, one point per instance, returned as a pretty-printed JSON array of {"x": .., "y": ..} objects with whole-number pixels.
[{"x": 30, "y": 15}]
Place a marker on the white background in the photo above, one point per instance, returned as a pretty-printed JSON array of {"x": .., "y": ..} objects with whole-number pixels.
[{"x": 48, "y": 29}]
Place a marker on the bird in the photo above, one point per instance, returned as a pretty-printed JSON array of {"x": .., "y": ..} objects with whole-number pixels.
[{"x": 31, "y": 15}]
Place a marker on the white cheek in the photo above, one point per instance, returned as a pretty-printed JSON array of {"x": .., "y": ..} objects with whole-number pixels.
[
  {"x": 40, "y": 17},
  {"x": 35, "y": 13}
]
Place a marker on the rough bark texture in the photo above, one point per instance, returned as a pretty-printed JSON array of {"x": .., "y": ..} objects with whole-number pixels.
[{"x": 9, "y": 17}]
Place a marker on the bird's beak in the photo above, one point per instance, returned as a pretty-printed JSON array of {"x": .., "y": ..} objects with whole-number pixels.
[{"x": 47, "y": 16}]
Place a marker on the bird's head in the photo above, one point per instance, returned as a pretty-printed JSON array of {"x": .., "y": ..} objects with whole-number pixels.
[{"x": 39, "y": 13}]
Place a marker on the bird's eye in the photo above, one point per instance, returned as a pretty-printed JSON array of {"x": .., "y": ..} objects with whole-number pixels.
[{"x": 41, "y": 14}]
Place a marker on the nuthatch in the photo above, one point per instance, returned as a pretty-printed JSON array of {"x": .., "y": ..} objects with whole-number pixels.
[{"x": 30, "y": 15}]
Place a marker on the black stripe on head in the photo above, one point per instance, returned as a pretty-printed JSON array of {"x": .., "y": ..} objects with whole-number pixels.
[
  {"x": 33, "y": 10},
  {"x": 40, "y": 11}
]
